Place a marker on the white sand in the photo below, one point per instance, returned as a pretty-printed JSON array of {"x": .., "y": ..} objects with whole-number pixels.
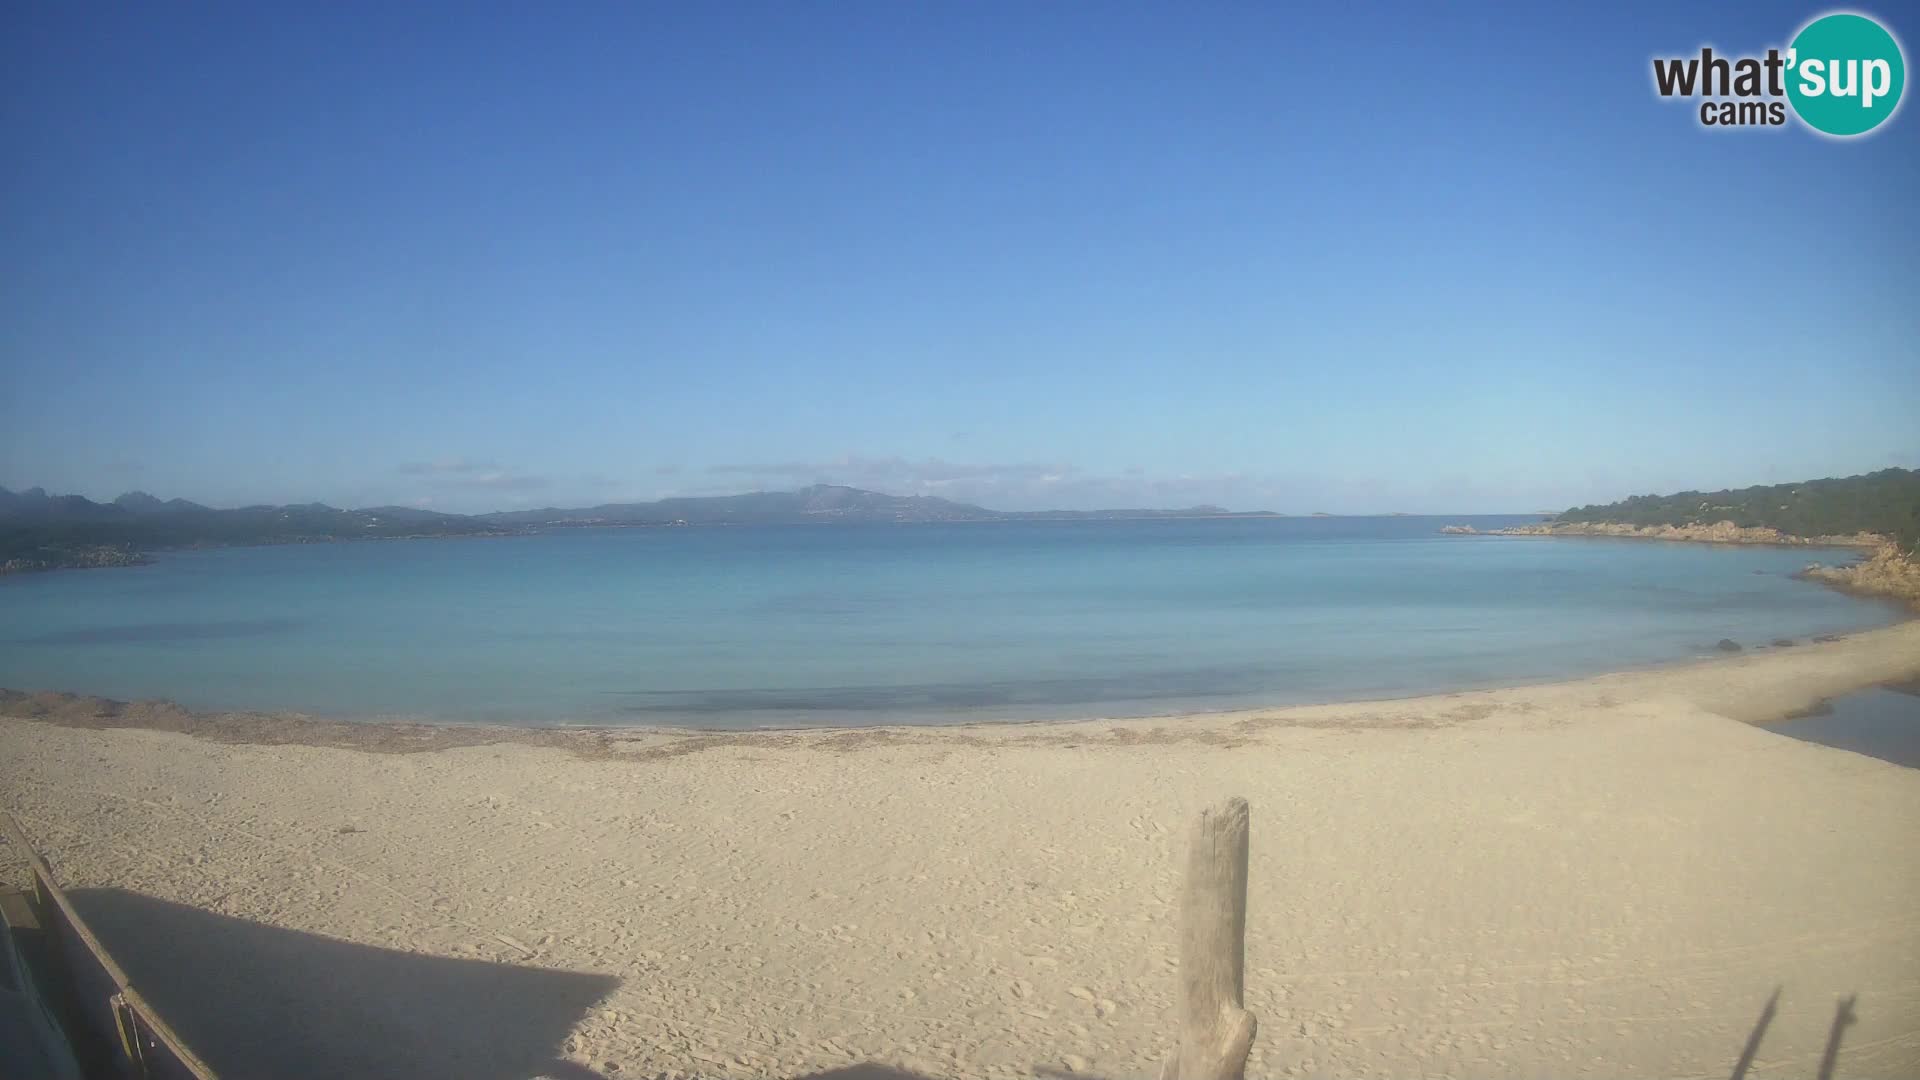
[{"x": 1601, "y": 878}]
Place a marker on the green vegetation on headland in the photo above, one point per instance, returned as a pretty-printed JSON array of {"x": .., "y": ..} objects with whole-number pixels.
[
  {"x": 1884, "y": 503},
  {"x": 1878, "y": 510},
  {"x": 39, "y": 531}
]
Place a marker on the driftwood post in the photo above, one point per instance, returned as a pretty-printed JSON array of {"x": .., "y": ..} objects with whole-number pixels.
[{"x": 1216, "y": 1031}]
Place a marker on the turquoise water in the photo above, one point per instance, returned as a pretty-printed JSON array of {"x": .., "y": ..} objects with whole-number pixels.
[{"x": 742, "y": 627}]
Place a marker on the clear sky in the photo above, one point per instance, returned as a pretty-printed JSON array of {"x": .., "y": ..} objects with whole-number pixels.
[{"x": 1038, "y": 254}]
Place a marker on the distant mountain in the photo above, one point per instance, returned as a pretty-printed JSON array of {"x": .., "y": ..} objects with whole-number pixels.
[
  {"x": 18, "y": 501},
  {"x": 408, "y": 515},
  {"x": 42, "y": 531},
  {"x": 35, "y": 502},
  {"x": 139, "y": 502},
  {"x": 819, "y": 503}
]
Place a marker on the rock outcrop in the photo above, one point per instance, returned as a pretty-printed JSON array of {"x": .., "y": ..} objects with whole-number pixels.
[
  {"x": 1724, "y": 532},
  {"x": 1887, "y": 573}
]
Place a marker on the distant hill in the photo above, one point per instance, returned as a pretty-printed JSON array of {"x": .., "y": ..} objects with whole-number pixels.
[
  {"x": 41, "y": 531},
  {"x": 819, "y": 503},
  {"x": 139, "y": 502},
  {"x": 36, "y": 503},
  {"x": 1885, "y": 502}
]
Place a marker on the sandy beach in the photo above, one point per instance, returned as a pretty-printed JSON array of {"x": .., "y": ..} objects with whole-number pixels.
[{"x": 1608, "y": 877}]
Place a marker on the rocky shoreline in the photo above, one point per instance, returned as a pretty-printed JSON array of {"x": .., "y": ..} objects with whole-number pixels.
[
  {"x": 1887, "y": 573},
  {"x": 1723, "y": 532}
]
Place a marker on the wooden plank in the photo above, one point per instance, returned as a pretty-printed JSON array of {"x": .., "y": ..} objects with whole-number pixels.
[
  {"x": 39, "y": 945},
  {"x": 1216, "y": 1031},
  {"x": 163, "y": 1053},
  {"x": 49, "y": 893},
  {"x": 96, "y": 980}
]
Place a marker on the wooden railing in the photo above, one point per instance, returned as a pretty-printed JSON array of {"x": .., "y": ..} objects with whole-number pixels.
[{"x": 116, "y": 1035}]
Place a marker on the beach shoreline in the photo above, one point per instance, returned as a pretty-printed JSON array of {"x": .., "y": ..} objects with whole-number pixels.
[
  {"x": 1844, "y": 666},
  {"x": 1515, "y": 882}
]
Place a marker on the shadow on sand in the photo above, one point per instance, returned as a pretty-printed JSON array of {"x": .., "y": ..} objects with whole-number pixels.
[
  {"x": 1843, "y": 1018},
  {"x": 256, "y": 1000},
  {"x": 1758, "y": 1035}
]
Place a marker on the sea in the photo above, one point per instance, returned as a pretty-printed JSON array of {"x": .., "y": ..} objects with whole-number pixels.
[{"x": 852, "y": 625}]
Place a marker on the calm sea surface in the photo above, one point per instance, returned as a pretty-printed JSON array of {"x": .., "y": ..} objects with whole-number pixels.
[
  {"x": 1880, "y": 721},
  {"x": 745, "y": 627}
]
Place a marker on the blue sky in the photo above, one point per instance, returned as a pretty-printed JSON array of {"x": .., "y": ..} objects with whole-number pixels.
[{"x": 1035, "y": 254}]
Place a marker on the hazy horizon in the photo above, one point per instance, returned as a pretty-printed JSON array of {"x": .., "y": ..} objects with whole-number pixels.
[
  {"x": 297, "y": 501},
  {"x": 479, "y": 506},
  {"x": 485, "y": 479}
]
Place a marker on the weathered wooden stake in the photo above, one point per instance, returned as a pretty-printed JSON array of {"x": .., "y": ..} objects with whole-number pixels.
[{"x": 1216, "y": 1032}]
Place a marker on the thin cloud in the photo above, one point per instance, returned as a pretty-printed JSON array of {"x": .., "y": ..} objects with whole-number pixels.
[
  {"x": 458, "y": 466},
  {"x": 924, "y": 471},
  {"x": 1019, "y": 485},
  {"x": 473, "y": 473},
  {"x": 1014, "y": 485}
]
